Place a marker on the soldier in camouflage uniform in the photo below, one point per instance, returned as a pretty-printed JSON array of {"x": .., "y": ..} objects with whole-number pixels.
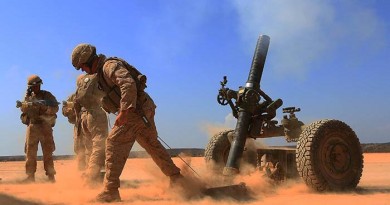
[
  {"x": 93, "y": 124},
  {"x": 124, "y": 87},
  {"x": 39, "y": 114}
]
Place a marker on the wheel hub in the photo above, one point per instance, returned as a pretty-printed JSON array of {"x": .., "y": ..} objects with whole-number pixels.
[{"x": 337, "y": 158}]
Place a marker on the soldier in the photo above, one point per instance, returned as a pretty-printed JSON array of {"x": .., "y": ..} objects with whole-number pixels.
[
  {"x": 69, "y": 111},
  {"x": 39, "y": 114},
  {"x": 124, "y": 87},
  {"x": 93, "y": 125}
]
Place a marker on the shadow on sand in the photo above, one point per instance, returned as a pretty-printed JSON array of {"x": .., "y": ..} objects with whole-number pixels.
[
  {"x": 6, "y": 199},
  {"x": 372, "y": 190}
]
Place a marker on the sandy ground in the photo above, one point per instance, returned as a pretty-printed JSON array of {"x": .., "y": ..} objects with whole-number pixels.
[{"x": 143, "y": 183}]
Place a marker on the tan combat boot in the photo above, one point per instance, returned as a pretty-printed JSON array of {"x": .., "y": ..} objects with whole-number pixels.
[
  {"x": 30, "y": 178},
  {"x": 52, "y": 179},
  {"x": 109, "y": 196}
]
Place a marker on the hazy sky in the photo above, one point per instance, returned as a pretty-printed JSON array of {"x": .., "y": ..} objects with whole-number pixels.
[{"x": 331, "y": 59}]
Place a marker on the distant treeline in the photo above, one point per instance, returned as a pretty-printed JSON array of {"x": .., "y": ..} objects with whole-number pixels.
[
  {"x": 195, "y": 152},
  {"x": 376, "y": 147},
  {"x": 133, "y": 154}
]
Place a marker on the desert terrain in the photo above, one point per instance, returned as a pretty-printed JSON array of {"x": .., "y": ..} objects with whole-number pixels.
[{"x": 143, "y": 183}]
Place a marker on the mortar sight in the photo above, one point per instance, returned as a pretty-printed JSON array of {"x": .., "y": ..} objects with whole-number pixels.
[{"x": 291, "y": 110}]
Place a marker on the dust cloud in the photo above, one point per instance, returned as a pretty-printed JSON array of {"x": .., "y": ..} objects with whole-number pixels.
[
  {"x": 213, "y": 128},
  {"x": 143, "y": 183},
  {"x": 325, "y": 26}
]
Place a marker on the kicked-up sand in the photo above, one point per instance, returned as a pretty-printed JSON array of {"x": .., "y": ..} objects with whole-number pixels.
[{"x": 143, "y": 183}]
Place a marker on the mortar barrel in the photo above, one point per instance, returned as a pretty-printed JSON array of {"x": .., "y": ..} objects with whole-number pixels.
[
  {"x": 245, "y": 111},
  {"x": 238, "y": 144},
  {"x": 258, "y": 62}
]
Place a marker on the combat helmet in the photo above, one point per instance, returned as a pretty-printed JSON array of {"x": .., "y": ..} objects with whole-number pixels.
[
  {"x": 33, "y": 80},
  {"x": 82, "y": 53}
]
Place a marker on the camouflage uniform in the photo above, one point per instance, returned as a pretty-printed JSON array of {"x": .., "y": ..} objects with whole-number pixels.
[
  {"x": 124, "y": 88},
  {"x": 93, "y": 124},
  {"x": 121, "y": 139},
  {"x": 40, "y": 120},
  {"x": 69, "y": 111}
]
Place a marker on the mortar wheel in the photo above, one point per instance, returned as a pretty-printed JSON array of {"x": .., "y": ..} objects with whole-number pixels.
[
  {"x": 329, "y": 156},
  {"x": 217, "y": 151}
]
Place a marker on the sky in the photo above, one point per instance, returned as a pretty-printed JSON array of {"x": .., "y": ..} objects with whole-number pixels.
[{"x": 329, "y": 58}]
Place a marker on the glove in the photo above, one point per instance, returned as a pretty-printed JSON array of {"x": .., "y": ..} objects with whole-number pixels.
[{"x": 24, "y": 108}]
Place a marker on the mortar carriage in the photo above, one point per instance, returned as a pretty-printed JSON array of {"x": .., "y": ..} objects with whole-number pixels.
[{"x": 327, "y": 155}]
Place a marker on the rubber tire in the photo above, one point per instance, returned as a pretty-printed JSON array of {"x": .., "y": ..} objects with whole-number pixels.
[
  {"x": 217, "y": 151},
  {"x": 317, "y": 148}
]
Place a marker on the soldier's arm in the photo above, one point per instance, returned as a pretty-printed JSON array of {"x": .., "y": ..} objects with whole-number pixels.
[
  {"x": 77, "y": 109},
  {"x": 67, "y": 108},
  {"x": 53, "y": 109},
  {"x": 26, "y": 107}
]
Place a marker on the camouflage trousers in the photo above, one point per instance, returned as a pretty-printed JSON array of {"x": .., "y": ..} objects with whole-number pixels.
[
  {"x": 42, "y": 133},
  {"x": 120, "y": 141},
  {"x": 94, "y": 131},
  {"x": 79, "y": 149}
]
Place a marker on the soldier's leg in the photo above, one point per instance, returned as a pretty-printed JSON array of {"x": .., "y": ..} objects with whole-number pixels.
[
  {"x": 159, "y": 154},
  {"x": 79, "y": 149},
  {"x": 118, "y": 145},
  {"x": 81, "y": 156},
  {"x": 81, "y": 160},
  {"x": 148, "y": 140},
  {"x": 31, "y": 148},
  {"x": 86, "y": 136},
  {"x": 87, "y": 142},
  {"x": 99, "y": 130},
  {"x": 48, "y": 147}
]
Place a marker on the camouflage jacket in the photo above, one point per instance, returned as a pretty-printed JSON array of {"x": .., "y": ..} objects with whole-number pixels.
[
  {"x": 115, "y": 74},
  {"x": 38, "y": 112}
]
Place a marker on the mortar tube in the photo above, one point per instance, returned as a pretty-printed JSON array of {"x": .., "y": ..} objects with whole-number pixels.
[
  {"x": 245, "y": 111},
  {"x": 238, "y": 144},
  {"x": 258, "y": 61}
]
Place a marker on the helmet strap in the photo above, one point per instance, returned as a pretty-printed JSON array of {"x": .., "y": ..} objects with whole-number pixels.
[{"x": 90, "y": 60}]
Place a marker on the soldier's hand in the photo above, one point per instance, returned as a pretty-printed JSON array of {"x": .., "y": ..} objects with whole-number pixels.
[
  {"x": 28, "y": 107},
  {"x": 67, "y": 111},
  {"x": 24, "y": 107}
]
